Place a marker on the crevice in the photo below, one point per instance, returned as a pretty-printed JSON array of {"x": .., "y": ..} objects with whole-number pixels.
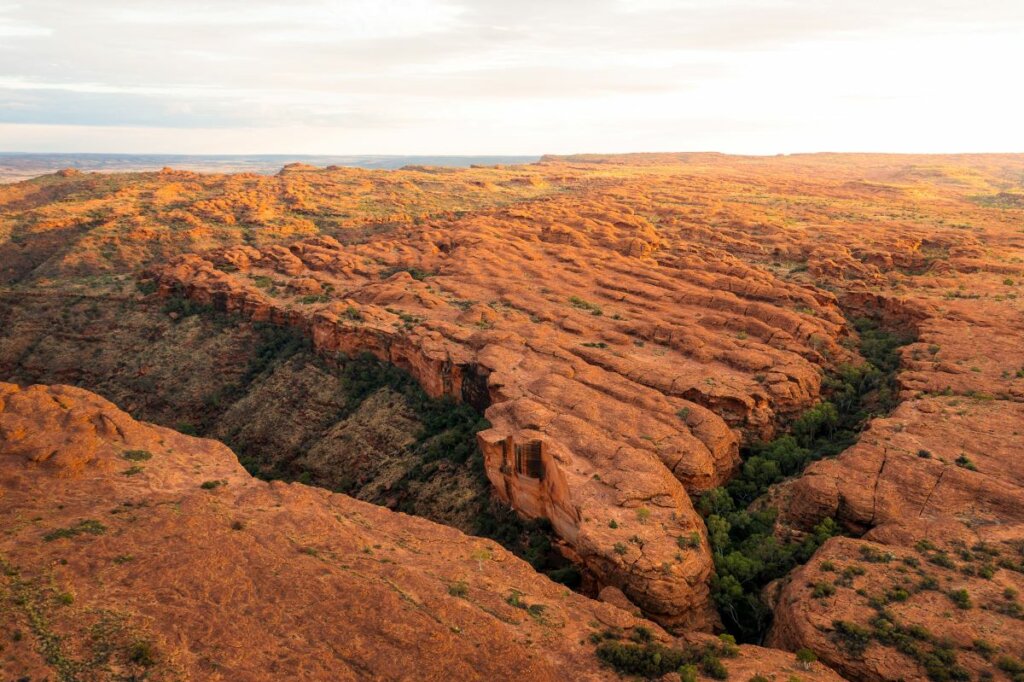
[
  {"x": 878, "y": 480},
  {"x": 741, "y": 518},
  {"x": 927, "y": 499},
  {"x": 355, "y": 425}
]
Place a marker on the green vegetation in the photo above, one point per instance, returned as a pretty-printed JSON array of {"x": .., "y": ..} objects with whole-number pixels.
[
  {"x": 532, "y": 541},
  {"x": 146, "y": 287},
  {"x": 964, "y": 462},
  {"x": 937, "y": 656},
  {"x": 536, "y": 611},
  {"x": 181, "y": 307},
  {"x": 961, "y": 598},
  {"x": 141, "y": 653},
  {"x": 580, "y": 304},
  {"x": 639, "y": 655},
  {"x": 186, "y": 428},
  {"x": 449, "y": 428},
  {"x": 86, "y": 527},
  {"x": 137, "y": 455},
  {"x": 805, "y": 657},
  {"x": 746, "y": 551},
  {"x": 210, "y": 485}
]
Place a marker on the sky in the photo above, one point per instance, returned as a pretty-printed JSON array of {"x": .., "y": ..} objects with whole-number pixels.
[{"x": 511, "y": 76}]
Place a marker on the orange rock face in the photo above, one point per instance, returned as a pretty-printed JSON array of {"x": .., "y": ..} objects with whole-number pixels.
[
  {"x": 133, "y": 550},
  {"x": 301, "y": 576}
]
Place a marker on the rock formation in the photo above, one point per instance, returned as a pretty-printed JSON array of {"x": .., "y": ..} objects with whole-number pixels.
[
  {"x": 603, "y": 409},
  {"x": 131, "y": 550},
  {"x": 626, "y": 324}
]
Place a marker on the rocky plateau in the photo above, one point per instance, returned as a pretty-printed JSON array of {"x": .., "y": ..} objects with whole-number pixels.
[{"x": 617, "y": 334}]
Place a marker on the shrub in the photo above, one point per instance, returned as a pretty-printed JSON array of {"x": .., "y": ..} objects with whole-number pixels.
[
  {"x": 88, "y": 527},
  {"x": 713, "y": 667},
  {"x": 182, "y": 307},
  {"x": 854, "y": 638},
  {"x": 961, "y": 598},
  {"x": 965, "y": 463},
  {"x": 579, "y": 303},
  {"x": 897, "y": 594},
  {"x": 141, "y": 653},
  {"x": 1011, "y": 665},
  {"x": 649, "y": 660},
  {"x": 727, "y": 646},
  {"x": 690, "y": 541},
  {"x": 210, "y": 485},
  {"x": 822, "y": 590},
  {"x": 458, "y": 589},
  {"x": 187, "y": 429},
  {"x": 805, "y": 657},
  {"x": 872, "y": 555},
  {"x": 137, "y": 455},
  {"x": 146, "y": 287}
]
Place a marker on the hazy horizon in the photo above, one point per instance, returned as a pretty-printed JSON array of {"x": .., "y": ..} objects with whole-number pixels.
[{"x": 453, "y": 77}]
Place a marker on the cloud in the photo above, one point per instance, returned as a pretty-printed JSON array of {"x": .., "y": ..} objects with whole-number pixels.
[{"x": 435, "y": 69}]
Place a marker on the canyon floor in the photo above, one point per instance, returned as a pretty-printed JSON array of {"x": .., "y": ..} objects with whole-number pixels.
[{"x": 668, "y": 416}]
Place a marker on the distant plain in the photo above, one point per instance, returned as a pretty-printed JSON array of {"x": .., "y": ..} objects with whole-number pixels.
[{"x": 15, "y": 167}]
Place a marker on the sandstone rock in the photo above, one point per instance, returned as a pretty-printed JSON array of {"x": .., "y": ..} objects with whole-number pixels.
[{"x": 134, "y": 550}]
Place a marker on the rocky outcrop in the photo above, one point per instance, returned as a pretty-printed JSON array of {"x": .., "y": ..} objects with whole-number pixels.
[
  {"x": 131, "y": 550},
  {"x": 934, "y": 493},
  {"x": 605, "y": 409},
  {"x": 170, "y": 537}
]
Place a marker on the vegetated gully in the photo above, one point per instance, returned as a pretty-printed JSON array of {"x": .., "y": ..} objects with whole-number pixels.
[{"x": 750, "y": 549}]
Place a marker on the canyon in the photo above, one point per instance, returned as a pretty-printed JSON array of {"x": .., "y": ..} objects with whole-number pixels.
[{"x": 583, "y": 350}]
